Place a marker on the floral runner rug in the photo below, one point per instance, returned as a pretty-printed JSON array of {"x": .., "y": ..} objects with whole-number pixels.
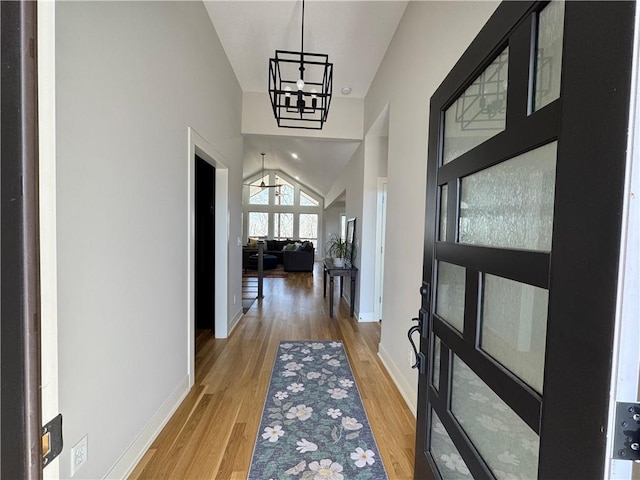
[{"x": 313, "y": 425}]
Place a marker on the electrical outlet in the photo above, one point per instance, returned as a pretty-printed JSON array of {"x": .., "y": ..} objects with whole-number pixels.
[
  {"x": 234, "y": 299},
  {"x": 79, "y": 455}
]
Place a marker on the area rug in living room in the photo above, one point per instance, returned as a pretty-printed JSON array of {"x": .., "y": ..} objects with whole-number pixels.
[{"x": 313, "y": 424}]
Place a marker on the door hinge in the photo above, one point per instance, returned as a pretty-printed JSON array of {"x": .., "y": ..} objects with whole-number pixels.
[
  {"x": 626, "y": 439},
  {"x": 51, "y": 440}
]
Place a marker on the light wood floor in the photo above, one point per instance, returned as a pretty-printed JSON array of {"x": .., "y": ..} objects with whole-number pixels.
[{"x": 212, "y": 433}]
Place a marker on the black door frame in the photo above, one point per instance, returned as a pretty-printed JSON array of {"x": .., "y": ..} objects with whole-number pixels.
[
  {"x": 21, "y": 423},
  {"x": 590, "y": 122}
]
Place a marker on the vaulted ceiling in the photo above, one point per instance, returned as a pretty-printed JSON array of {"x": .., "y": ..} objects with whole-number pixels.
[{"x": 355, "y": 35}]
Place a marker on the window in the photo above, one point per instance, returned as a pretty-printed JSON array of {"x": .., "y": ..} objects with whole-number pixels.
[
  {"x": 343, "y": 226},
  {"x": 288, "y": 211},
  {"x": 282, "y": 226},
  {"x": 258, "y": 224},
  {"x": 284, "y": 194},
  {"x": 309, "y": 227},
  {"x": 307, "y": 201},
  {"x": 257, "y": 194}
]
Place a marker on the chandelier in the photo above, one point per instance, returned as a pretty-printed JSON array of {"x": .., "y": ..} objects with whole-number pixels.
[{"x": 300, "y": 87}]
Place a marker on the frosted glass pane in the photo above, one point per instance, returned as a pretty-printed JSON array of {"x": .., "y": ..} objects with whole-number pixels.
[
  {"x": 514, "y": 327},
  {"x": 511, "y": 204},
  {"x": 479, "y": 113},
  {"x": 445, "y": 454},
  {"x": 450, "y": 294},
  {"x": 507, "y": 444},
  {"x": 444, "y": 192},
  {"x": 436, "y": 363},
  {"x": 549, "y": 53}
]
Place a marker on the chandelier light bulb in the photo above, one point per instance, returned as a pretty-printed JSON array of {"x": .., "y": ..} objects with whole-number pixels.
[
  {"x": 287, "y": 91},
  {"x": 300, "y": 84},
  {"x": 314, "y": 91}
]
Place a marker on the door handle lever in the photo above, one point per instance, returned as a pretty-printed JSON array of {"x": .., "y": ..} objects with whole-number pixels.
[{"x": 421, "y": 362}]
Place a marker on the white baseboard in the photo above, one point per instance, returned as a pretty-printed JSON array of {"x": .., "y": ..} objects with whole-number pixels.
[
  {"x": 132, "y": 455},
  {"x": 235, "y": 321},
  {"x": 367, "y": 317},
  {"x": 408, "y": 393}
]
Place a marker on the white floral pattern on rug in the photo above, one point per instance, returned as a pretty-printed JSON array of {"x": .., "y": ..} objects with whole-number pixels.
[{"x": 313, "y": 425}]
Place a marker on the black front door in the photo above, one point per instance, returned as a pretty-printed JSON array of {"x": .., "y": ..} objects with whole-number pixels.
[
  {"x": 205, "y": 245},
  {"x": 526, "y": 168}
]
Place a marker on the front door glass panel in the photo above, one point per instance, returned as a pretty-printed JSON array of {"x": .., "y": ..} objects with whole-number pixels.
[
  {"x": 436, "y": 363},
  {"x": 549, "y": 54},
  {"x": 444, "y": 196},
  {"x": 514, "y": 327},
  {"x": 510, "y": 204},
  {"x": 450, "y": 294},
  {"x": 506, "y": 443},
  {"x": 445, "y": 454},
  {"x": 479, "y": 113}
]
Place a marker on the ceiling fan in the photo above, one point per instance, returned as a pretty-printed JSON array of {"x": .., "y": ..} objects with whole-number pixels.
[{"x": 262, "y": 184}]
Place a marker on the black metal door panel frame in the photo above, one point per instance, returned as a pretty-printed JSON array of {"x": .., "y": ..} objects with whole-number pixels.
[
  {"x": 21, "y": 447},
  {"x": 589, "y": 122}
]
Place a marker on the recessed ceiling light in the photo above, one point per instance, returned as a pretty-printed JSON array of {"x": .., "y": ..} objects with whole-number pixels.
[
  {"x": 297, "y": 177},
  {"x": 345, "y": 90},
  {"x": 294, "y": 155}
]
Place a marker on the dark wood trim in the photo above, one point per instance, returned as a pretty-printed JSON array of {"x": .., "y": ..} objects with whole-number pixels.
[
  {"x": 586, "y": 235},
  {"x": 21, "y": 453},
  {"x": 520, "y": 265}
]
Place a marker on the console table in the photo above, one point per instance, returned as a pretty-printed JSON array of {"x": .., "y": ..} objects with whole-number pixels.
[{"x": 331, "y": 270}]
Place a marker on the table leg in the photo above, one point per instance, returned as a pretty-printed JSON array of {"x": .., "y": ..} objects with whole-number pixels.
[
  {"x": 353, "y": 293},
  {"x": 331, "y": 296},
  {"x": 324, "y": 277}
]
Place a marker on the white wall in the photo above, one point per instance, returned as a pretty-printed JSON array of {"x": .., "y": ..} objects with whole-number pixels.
[
  {"x": 351, "y": 182},
  {"x": 429, "y": 40},
  {"x": 131, "y": 77},
  {"x": 331, "y": 222},
  {"x": 375, "y": 165}
]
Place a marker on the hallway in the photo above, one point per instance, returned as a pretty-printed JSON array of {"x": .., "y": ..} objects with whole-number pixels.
[{"x": 212, "y": 433}]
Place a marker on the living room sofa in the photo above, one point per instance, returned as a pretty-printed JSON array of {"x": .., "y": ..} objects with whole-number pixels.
[{"x": 294, "y": 255}]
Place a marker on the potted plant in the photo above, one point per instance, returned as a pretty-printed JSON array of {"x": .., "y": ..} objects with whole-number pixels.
[{"x": 339, "y": 249}]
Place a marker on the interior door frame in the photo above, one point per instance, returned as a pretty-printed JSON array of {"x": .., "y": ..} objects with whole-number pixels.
[
  {"x": 198, "y": 145},
  {"x": 582, "y": 275},
  {"x": 381, "y": 228}
]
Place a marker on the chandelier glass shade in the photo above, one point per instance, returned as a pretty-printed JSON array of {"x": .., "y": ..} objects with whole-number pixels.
[{"x": 300, "y": 87}]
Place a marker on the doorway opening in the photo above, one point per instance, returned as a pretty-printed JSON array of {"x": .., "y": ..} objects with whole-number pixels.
[{"x": 205, "y": 258}]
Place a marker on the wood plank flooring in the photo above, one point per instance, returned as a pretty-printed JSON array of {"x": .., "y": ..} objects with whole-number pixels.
[{"x": 212, "y": 434}]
